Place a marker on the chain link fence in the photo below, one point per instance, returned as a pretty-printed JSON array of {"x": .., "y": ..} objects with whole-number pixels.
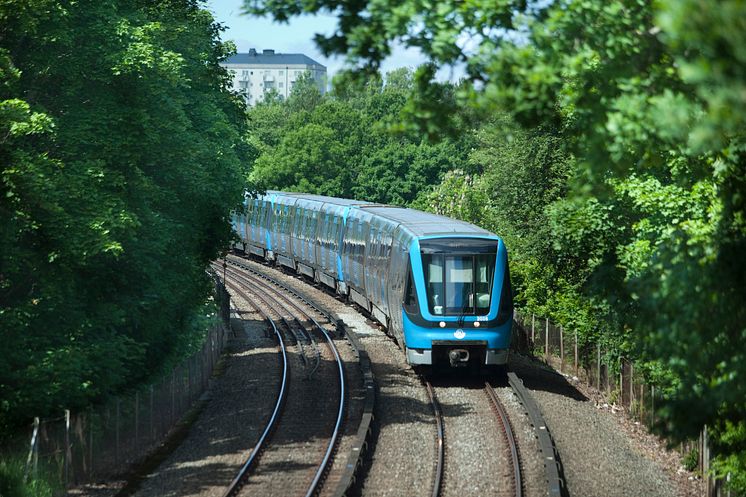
[
  {"x": 103, "y": 441},
  {"x": 617, "y": 378}
]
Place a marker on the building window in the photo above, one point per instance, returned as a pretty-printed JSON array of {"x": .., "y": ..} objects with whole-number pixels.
[
  {"x": 243, "y": 84},
  {"x": 282, "y": 85},
  {"x": 282, "y": 73},
  {"x": 298, "y": 73}
]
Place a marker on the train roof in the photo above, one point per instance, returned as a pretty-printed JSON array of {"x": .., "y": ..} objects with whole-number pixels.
[
  {"x": 418, "y": 223},
  {"x": 322, "y": 198},
  {"x": 426, "y": 224}
]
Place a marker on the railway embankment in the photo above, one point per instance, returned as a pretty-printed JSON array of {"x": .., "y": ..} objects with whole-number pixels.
[{"x": 599, "y": 454}]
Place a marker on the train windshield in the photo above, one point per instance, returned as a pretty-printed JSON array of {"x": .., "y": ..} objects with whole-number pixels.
[{"x": 459, "y": 276}]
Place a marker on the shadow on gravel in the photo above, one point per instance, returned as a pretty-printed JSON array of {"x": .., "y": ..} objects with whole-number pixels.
[{"x": 536, "y": 377}]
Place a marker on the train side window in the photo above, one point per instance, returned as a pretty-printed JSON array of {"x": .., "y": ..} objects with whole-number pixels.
[
  {"x": 410, "y": 294},
  {"x": 434, "y": 269}
]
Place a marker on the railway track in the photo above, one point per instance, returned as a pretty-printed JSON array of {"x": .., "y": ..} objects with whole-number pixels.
[
  {"x": 440, "y": 440},
  {"x": 291, "y": 422},
  {"x": 513, "y": 483},
  {"x": 305, "y": 320},
  {"x": 507, "y": 432},
  {"x": 272, "y": 422},
  {"x": 555, "y": 485}
]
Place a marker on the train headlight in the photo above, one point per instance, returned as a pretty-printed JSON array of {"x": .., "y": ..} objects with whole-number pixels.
[
  {"x": 477, "y": 324},
  {"x": 442, "y": 324}
]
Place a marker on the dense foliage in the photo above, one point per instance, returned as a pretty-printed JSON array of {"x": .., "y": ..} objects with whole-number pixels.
[
  {"x": 339, "y": 144},
  {"x": 121, "y": 152},
  {"x": 647, "y": 100}
]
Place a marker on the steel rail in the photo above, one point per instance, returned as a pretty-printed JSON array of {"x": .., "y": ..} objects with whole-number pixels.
[
  {"x": 340, "y": 411},
  {"x": 508, "y": 434},
  {"x": 440, "y": 447},
  {"x": 364, "y": 429},
  {"x": 552, "y": 465},
  {"x": 237, "y": 482},
  {"x": 310, "y": 337}
]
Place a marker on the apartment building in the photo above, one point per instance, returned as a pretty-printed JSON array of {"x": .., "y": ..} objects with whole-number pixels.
[{"x": 255, "y": 74}]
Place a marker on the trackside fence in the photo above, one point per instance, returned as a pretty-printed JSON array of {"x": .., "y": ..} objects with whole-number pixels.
[
  {"x": 103, "y": 441},
  {"x": 616, "y": 378}
]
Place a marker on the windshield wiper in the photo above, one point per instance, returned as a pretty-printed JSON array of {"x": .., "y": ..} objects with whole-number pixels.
[{"x": 462, "y": 314}]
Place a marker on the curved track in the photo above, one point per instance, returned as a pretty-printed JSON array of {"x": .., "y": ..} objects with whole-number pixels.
[
  {"x": 440, "y": 440},
  {"x": 360, "y": 442},
  {"x": 553, "y": 470},
  {"x": 235, "y": 485},
  {"x": 552, "y": 466},
  {"x": 282, "y": 305},
  {"x": 507, "y": 432}
]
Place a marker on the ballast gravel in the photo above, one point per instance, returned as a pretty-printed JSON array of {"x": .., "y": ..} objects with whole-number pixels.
[
  {"x": 476, "y": 461},
  {"x": 597, "y": 457},
  {"x": 231, "y": 421}
]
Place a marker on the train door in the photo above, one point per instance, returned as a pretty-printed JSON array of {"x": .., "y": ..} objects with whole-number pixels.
[{"x": 396, "y": 281}]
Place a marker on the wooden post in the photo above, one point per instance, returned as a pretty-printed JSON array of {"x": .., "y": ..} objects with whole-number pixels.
[
  {"x": 652, "y": 404},
  {"x": 546, "y": 341},
  {"x": 68, "y": 449},
  {"x": 533, "y": 323},
  {"x": 621, "y": 382},
  {"x": 33, "y": 456},
  {"x": 576, "y": 353},
  {"x": 608, "y": 380},
  {"x": 562, "y": 348},
  {"x": 706, "y": 461},
  {"x": 598, "y": 366}
]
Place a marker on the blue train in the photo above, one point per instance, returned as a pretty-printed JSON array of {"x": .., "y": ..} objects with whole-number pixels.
[{"x": 440, "y": 286}]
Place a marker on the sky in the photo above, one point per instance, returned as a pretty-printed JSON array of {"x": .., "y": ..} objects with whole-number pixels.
[{"x": 295, "y": 37}]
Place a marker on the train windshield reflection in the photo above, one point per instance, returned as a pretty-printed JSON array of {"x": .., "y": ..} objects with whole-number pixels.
[{"x": 458, "y": 284}]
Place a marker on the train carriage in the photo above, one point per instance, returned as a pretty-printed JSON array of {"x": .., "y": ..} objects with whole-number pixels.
[
  {"x": 440, "y": 286},
  {"x": 281, "y": 225}
]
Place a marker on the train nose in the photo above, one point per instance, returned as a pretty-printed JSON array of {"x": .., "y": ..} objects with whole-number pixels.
[{"x": 458, "y": 357}]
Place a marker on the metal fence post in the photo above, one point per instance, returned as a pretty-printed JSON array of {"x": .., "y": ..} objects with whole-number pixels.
[
  {"x": 33, "y": 456},
  {"x": 68, "y": 450},
  {"x": 562, "y": 349},
  {"x": 90, "y": 439},
  {"x": 533, "y": 323},
  {"x": 546, "y": 341}
]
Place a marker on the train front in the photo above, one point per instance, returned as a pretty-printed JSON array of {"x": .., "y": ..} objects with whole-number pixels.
[{"x": 458, "y": 303}]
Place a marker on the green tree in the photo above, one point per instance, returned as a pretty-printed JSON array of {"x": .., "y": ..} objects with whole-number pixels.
[
  {"x": 649, "y": 99},
  {"x": 121, "y": 159}
]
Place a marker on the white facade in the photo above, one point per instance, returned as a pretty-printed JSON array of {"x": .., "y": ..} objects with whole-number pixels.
[{"x": 255, "y": 74}]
